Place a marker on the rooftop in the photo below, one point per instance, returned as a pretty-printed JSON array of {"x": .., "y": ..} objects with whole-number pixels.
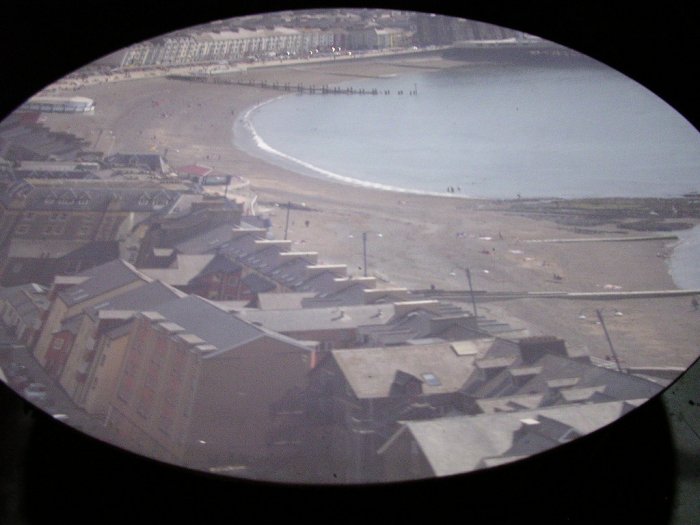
[
  {"x": 102, "y": 279},
  {"x": 370, "y": 371},
  {"x": 454, "y": 445},
  {"x": 286, "y": 321}
]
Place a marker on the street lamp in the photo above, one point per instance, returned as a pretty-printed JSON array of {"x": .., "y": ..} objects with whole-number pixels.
[{"x": 601, "y": 319}]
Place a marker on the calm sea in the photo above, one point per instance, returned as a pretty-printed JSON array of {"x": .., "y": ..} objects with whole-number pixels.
[{"x": 487, "y": 131}]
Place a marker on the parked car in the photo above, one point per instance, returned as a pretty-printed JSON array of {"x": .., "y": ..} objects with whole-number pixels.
[{"x": 37, "y": 393}]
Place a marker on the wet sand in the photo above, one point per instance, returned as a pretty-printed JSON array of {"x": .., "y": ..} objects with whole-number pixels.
[{"x": 413, "y": 240}]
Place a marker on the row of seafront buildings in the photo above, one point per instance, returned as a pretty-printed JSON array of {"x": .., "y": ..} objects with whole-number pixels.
[
  {"x": 220, "y": 348},
  {"x": 230, "y": 45},
  {"x": 289, "y": 35}
]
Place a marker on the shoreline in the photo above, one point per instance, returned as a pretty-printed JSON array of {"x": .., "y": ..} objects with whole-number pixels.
[{"x": 414, "y": 240}]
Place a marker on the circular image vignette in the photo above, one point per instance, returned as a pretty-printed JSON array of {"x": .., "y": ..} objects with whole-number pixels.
[{"x": 346, "y": 247}]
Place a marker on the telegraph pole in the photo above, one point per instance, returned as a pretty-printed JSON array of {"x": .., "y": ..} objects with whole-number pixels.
[
  {"x": 364, "y": 251},
  {"x": 607, "y": 336},
  {"x": 286, "y": 226},
  {"x": 471, "y": 294}
]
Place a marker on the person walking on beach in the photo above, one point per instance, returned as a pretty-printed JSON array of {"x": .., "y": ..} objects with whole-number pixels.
[{"x": 695, "y": 303}]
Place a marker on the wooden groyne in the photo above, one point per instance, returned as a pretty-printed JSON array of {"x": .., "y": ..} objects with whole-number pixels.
[{"x": 290, "y": 88}]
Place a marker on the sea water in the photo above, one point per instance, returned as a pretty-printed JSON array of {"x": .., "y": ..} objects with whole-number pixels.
[{"x": 487, "y": 131}]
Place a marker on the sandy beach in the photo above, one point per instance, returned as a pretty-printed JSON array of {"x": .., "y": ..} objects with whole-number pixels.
[{"x": 414, "y": 241}]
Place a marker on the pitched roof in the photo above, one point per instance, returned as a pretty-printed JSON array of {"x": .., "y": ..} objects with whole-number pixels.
[
  {"x": 186, "y": 268},
  {"x": 144, "y": 297},
  {"x": 256, "y": 283},
  {"x": 27, "y": 300},
  {"x": 101, "y": 279},
  {"x": 454, "y": 445},
  {"x": 573, "y": 379},
  {"x": 211, "y": 324},
  {"x": 207, "y": 241},
  {"x": 220, "y": 331}
]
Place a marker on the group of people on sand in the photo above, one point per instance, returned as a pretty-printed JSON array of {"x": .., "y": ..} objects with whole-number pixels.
[{"x": 451, "y": 189}]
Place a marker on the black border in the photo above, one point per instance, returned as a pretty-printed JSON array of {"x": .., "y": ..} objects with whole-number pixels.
[{"x": 623, "y": 473}]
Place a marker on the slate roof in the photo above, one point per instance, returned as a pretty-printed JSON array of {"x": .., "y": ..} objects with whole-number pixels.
[
  {"x": 264, "y": 259},
  {"x": 220, "y": 331},
  {"x": 142, "y": 298},
  {"x": 454, "y": 445},
  {"x": 290, "y": 272},
  {"x": 257, "y": 283},
  {"x": 101, "y": 279},
  {"x": 34, "y": 268},
  {"x": 414, "y": 325},
  {"x": 28, "y": 301},
  {"x": 323, "y": 282},
  {"x": 188, "y": 267},
  {"x": 351, "y": 293},
  {"x": 557, "y": 374},
  {"x": 206, "y": 242},
  {"x": 242, "y": 245}
]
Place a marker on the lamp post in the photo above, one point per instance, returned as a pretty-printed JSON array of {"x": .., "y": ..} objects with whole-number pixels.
[{"x": 601, "y": 319}]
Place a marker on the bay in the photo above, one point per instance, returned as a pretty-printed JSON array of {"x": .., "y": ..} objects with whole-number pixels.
[{"x": 491, "y": 131}]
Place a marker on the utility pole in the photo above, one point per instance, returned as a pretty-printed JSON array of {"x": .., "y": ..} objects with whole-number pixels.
[
  {"x": 364, "y": 251},
  {"x": 286, "y": 226},
  {"x": 607, "y": 336},
  {"x": 471, "y": 293}
]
